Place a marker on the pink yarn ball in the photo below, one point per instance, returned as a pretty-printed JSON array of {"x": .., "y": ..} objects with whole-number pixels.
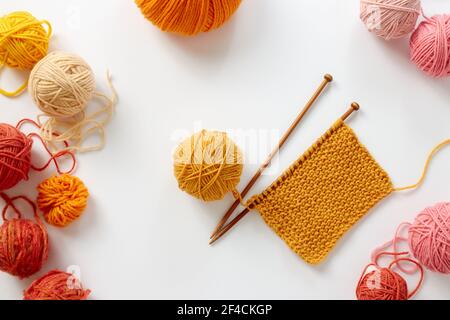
[
  {"x": 429, "y": 238},
  {"x": 430, "y": 46},
  {"x": 390, "y": 19}
]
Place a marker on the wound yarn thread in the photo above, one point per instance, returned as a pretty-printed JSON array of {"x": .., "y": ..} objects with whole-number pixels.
[
  {"x": 15, "y": 156},
  {"x": 56, "y": 285},
  {"x": 384, "y": 283},
  {"x": 23, "y": 42},
  {"x": 390, "y": 19},
  {"x": 62, "y": 199},
  {"x": 188, "y": 17},
  {"x": 208, "y": 165},
  {"x": 391, "y": 286},
  {"x": 23, "y": 242},
  {"x": 430, "y": 46},
  {"x": 62, "y": 84},
  {"x": 429, "y": 238}
]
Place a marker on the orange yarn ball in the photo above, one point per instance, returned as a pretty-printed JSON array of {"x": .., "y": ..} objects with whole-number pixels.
[
  {"x": 382, "y": 284},
  {"x": 56, "y": 285},
  {"x": 23, "y": 247},
  {"x": 62, "y": 199},
  {"x": 188, "y": 17}
]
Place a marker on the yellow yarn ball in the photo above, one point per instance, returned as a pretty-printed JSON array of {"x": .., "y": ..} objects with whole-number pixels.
[
  {"x": 62, "y": 199},
  {"x": 208, "y": 165},
  {"x": 62, "y": 84},
  {"x": 23, "y": 40},
  {"x": 188, "y": 17}
]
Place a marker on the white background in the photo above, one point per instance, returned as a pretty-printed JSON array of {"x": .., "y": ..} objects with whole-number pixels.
[{"x": 141, "y": 237}]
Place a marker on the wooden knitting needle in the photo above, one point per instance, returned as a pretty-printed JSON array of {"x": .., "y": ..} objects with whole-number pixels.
[
  {"x": 354, "y": 107},
  {"x": 326, "y": 79}
]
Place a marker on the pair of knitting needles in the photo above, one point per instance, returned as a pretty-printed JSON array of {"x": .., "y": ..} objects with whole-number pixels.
[{"x": 221, "y": 228}]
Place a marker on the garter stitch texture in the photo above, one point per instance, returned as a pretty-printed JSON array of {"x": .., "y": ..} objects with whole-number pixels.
[
  {"x": 323, "y": 194},
  {"x": 62, "y": 199}
]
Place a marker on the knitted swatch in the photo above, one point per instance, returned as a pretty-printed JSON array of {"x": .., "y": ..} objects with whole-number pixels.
[{"x": 323, "y": 194}]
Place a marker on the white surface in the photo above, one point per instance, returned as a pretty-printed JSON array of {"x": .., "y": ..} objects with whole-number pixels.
[{"x": 142, "y": 237}]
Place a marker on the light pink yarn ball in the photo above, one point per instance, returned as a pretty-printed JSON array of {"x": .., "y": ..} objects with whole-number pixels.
[
  {"x": 390, "y": 19},
  {"x": 429, "y": 238},
  {"x": 430, "y": 46}
]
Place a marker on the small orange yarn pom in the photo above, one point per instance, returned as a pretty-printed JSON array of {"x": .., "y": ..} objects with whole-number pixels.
[
  {"x": 56, "y": 285},
  {"x": 62, "y": 199},
  {"x": 188, "y": 17}
]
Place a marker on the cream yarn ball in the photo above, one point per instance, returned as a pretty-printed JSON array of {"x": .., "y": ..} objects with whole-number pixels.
[{"x": 62, "y": 84}]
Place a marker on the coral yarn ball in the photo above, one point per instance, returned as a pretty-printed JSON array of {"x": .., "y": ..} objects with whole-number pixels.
[
  {"x": 15, "y": 156},
  {"x": 208, "y": 165},
  {"x": 188, "y": 17},
  {"x": 56, "y": 285},
  {"x": 390, "y": 19},
  {"x": 430, "y": 46},
  {"x": 23, "y": 40},
  {"x": 62, "y": 199},
  {"x": 429, "y": 238},
  {"x": 382, "y": 284},
  {"x": 62, "y": 84},
  {"x": 23, "y": 247}
]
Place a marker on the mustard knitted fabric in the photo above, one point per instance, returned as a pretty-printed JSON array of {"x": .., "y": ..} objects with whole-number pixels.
[{"x": 325, "y": 192}]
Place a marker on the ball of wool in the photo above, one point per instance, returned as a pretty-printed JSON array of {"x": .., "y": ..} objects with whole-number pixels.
[
  {"x": 56, "y": 285},
  {"x": 390, "y": 19},
  {"x": 62, "y": 199},
  {"x": 382, "y": 284},
  {"x": 23, "y": 247},
  {"x": 15, "y": 156},
  {"x": 430, "y": 46},
  {"x": 429, "y": 238},
  {"x": 207, "y": 165},
  {"x": 188, "y": 17},
  {"x": 61, "y": 84},
  {"x": 23, "y": 40}
]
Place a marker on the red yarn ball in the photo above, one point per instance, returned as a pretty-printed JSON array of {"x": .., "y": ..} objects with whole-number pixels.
[
  {"x": 23, "y": 247},
  {"x": 56, "y": 285},
  {"x": 382, "y": 284},
  {"x": 15, "y": 156},
  {"x": 430, "y": 46},
  {"x": 429, "y": 238}
]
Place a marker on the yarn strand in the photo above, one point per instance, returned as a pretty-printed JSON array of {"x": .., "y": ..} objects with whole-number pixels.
[
  {"x": 426, "y": 167},
  {"x": 79, "y": 130},
  {"x": 53, "y": 156},
  {"x": 10, "y": 203}
]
